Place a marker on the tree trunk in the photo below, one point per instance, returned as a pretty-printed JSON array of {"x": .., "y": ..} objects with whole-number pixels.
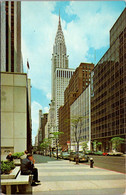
[
  {"x": 57, "y": 148},
  {"x": 77, "y": 156}
]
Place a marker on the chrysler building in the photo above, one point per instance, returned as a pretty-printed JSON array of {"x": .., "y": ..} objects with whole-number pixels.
[{"x": 60, "y": 74}]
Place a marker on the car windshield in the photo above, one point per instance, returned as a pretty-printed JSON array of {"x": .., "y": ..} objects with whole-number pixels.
[{"x": 66, "y": 153}]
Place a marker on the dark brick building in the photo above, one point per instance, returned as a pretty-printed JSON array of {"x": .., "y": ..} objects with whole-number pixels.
[{"x": 108, "y": 104}]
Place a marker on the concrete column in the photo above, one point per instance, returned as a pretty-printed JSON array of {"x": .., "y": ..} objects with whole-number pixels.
[
  {"x": 3, "y": 36},
  {"x": 9, "y": 36},
  {"x": 15, "y": 36}
]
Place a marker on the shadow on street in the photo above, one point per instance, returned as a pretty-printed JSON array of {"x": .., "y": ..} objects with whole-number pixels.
[{"x": 43, "y": 159}]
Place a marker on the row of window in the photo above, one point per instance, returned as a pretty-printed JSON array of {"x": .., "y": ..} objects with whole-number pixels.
[
  {"x": 64, "y": 73},
  {"x": 110, "y": 133},
  {"x": 109, "y": 116}
]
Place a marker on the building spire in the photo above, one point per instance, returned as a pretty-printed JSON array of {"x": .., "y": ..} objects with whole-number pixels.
[{"x": 59, "y": 26}]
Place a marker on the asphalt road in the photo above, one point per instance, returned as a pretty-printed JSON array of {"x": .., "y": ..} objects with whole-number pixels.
[{"x": 114, "y": 163}]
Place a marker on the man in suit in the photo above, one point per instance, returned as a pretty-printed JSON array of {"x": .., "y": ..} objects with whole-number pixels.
[
  {"x": 9, "y": 157},
  {"x": 25, "y": 155},
  {"x": 27, "y": 168}
]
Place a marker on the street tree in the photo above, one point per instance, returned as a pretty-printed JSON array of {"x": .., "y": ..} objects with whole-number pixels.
[
  {"x": 76, "y": 126},
  {"x": 85, "y": 146},
  {"x": 55, "y": 136},
  {"x": 45, "y": 144},
  {"x": 96, "y": 145},
  {"x": 116, "y": 141}
]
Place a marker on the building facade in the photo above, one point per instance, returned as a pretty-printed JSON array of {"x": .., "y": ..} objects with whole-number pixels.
[
  {"x": 41, "y": 130},
  {"x": 15, "y": 113},
  {"x": 81, "y": 107},
  {"x": 3, "y": 36},
  {"x": 16, "y": 123},
  {"x": 61, "y": 75},
  {"x": 77, "y": 84},
  {"x": 59, "y": 56},
  {"x": 10, "y": 27},
  {"x": 108, "y": 108}
]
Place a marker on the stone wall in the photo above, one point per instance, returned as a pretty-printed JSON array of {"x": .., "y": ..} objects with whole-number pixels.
[{"x": 13, "y": 112}]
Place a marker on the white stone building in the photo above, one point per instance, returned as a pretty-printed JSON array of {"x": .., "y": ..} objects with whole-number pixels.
[
  {"x": 82, "y": 107},
  {"x": 14, "y": 112}
]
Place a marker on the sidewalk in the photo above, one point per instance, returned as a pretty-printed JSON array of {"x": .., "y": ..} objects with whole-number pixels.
[{"x": 66, "y": 178}]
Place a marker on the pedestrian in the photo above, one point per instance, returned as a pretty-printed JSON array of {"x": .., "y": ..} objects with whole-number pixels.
[
  {"x": 25, "y": 154},
  {"x": 9, "y": 157},
  {"x": 27, "y": 168}
]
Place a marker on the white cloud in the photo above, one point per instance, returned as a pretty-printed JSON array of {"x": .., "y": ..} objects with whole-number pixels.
[
  {"x": 89, "y": 29},
  {"x": 39, "y": 25},
  {"x": 46, "y": 109},
  {"x": 48, "y": 95},
  {"x": 38, "y": 32}
]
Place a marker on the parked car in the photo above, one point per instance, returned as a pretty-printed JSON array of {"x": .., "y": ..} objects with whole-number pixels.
[
  {"x": 82, "y": 157},
  {"x": 65, "y": 155},
  {"x": 55, "y": 154},
  {"x": 98, "y": 153},
  {"x": 89, "y": 152},
  {"x": 115, "y": 153},
  {"x": 105, "y": 154},
  {"x": 72, "y": 156}
]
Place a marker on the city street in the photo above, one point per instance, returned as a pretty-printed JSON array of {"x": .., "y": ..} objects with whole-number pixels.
[
  {"x": 115, "y": 163},
  {"x": 64, "y": 177}
]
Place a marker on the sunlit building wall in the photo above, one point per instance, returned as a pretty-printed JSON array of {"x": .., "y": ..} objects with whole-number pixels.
[{"x": 81, "y": 108}]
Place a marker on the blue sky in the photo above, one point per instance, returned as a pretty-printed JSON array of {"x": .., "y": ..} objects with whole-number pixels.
[{"x": 85, "y": 25}]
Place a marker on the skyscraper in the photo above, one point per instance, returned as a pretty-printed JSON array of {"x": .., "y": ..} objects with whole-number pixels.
[
  {"x": 61, "y": 74},
  {"x": 15, "y": 86},
  {"x": 108, "y": 107},
  {"x": 10, "y": 27},
  {"x": 59, "y": 57}
]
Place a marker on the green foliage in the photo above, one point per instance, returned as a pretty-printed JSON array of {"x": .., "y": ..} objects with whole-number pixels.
[
  {"x": 96, "y": 144},
  {"x": 56, "y": 134},
  {"x": 17, "y": 155},
  {"x": 6, "y": 166},
  {"x": 85, "y": 146},
  {"x": 116, "y": 141},
  {"x": 46, "y": 143}
]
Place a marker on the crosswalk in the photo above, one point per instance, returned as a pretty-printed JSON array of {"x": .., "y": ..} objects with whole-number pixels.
[{"x": 64, "y": 177}]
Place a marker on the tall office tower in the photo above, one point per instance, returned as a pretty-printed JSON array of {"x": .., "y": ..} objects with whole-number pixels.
[
  {"x": 16, "y": 128},
  {"x": 60, "y": 72},
  {"x": 10, "y": 26},
  {"x": 59, "y": 57},
  {"x": 2, "y": 38},
  {"x": 108, "y": 108}
]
